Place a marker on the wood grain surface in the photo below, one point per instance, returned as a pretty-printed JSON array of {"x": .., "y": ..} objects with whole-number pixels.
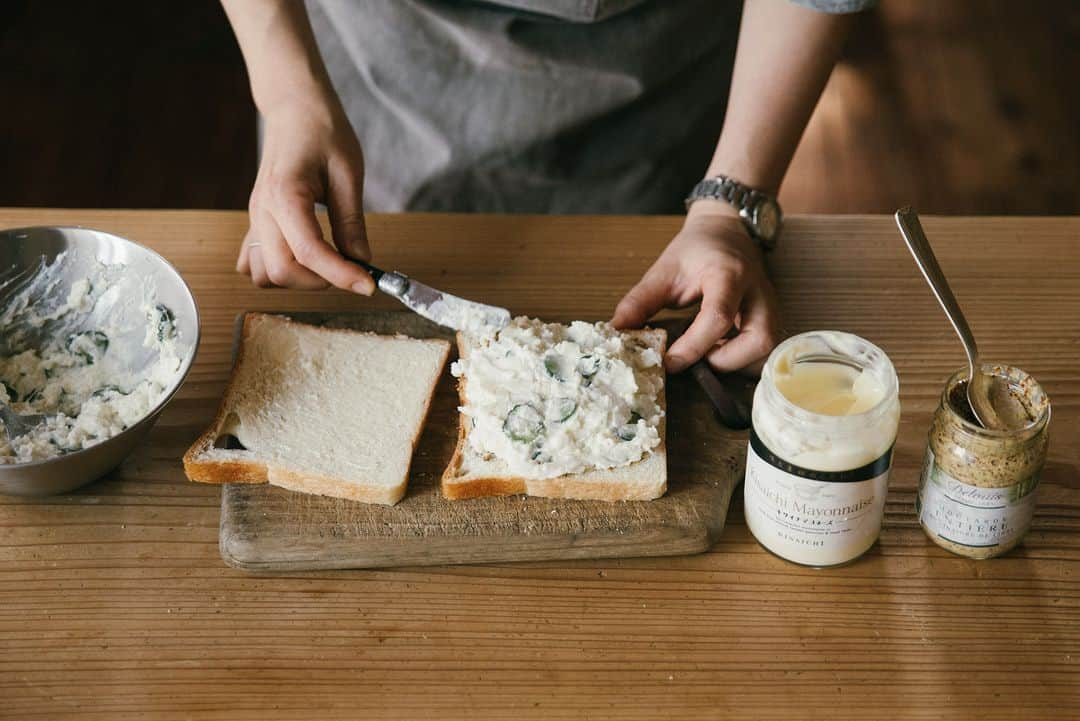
[
  {"x": 265, "y": 528},
  {"x": 114, "y": 603}
]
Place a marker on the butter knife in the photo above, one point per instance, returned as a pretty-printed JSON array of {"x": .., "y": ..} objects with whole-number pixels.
[
  {"x": 728, "y": 394},
  {"x": 441, "y": 308}
]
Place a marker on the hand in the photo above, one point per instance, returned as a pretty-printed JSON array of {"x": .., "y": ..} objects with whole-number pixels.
[
  {"x": 308, "y": 156},
  {"x": 713, "y": 260}
]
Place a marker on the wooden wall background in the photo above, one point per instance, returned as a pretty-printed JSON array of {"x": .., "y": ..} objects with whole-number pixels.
[{"x": 957, "y": 106}]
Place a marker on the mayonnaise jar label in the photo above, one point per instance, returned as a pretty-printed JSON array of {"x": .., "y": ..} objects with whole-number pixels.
[{"x": 817, "y": 518}]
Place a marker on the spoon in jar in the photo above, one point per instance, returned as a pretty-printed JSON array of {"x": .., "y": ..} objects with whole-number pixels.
[{"x": 978, "y": 386}]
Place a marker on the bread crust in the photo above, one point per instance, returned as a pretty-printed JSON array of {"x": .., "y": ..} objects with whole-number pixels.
[
  {"x": 208, "y": 470},
  {"x": 237, "y": 471},
  {"x": 323, "y": 486},
  {"x": 584, "y": 486}
]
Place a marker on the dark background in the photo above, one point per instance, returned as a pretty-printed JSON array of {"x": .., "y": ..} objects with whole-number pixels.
[{"x": 956, "y": 106}]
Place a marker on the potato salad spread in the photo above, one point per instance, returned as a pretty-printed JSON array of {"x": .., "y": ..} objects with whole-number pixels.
[
  {"x": 89, "y": 386},
  {"x": 548, "y": 399}
]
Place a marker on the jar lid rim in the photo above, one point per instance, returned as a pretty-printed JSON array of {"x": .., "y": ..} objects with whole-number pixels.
[
  {"x": 892, "y": 388},
  {"x": 1042, "y": 420}
]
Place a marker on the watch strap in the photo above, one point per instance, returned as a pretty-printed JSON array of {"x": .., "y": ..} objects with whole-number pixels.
[
  {"x": 744, "y": 198},
  {"x": 721, "y": 187}
]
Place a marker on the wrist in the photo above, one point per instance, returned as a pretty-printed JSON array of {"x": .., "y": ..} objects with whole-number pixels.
[
  {"x": 758, "y": 211},
  {"x": 297, "y": 91},
  {"x": 710, "y": 208},
  {"x": 717, "y": 222},
  {"x": 738, "y": 159}
]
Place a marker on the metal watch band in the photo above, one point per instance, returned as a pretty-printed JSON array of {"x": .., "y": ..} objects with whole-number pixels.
[
  {"x": 724, "y": 188},
  {"x": 744, "y": 198}
]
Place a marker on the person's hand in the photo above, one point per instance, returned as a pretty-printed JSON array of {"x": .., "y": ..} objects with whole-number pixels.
[
  {"x": 309, "y": 156},
  {"x": 713, "y": 260}
]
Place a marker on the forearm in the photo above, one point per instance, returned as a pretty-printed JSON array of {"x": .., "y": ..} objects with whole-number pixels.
[
  {"x": 784, "y": 57},
  {"x": 280, "y": 52}
]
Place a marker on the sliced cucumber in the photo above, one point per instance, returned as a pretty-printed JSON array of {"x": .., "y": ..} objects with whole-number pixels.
[
  {"x": 106, "y": 391},
  {"x": 553, "y": 364},
  {"x": 88, "y": 345},
  {"x": 563, "y": 408},
  {"x": 628, "y": 431},
  {"x": 166, "y": 322},
  {"x": 588, "y": 365},
  {"x": 523, "y": 423},
  {"x": 64, "y": 404},
  {"x": 61, "y": 449}
]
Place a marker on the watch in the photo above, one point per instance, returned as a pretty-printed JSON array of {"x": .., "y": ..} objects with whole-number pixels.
[{"x": 759, "y": 211}]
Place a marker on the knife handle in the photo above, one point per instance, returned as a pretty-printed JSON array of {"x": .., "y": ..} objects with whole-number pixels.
[
  {"x": 726, "y": 393},
  {"x": 389, "y": 282},
  {"x": 376, "y": 273}
]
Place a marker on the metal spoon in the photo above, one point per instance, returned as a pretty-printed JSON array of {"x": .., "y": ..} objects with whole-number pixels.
[
  {"x": 978, "y": 386},
  {"x": 17, "y": 424}
]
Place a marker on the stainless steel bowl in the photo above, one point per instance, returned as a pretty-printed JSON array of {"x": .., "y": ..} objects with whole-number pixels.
[{"x": 22, "y": 252}]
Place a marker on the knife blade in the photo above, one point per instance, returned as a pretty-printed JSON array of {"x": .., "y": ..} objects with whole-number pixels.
[
  {"x": 726, "y": 393},
  {"x": 442, "y": 308}
]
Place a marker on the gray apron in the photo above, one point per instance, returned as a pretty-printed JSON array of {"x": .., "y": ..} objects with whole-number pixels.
[{"x": 546, "y": 106}]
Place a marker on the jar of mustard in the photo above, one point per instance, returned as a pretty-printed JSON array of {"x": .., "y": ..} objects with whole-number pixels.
[{"x": 977, "y": 489}]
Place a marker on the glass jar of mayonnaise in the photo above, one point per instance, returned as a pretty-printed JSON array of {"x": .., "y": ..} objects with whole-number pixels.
[
  {"x": 977, "y": 490},
  {"x": 825, "y": 417}
]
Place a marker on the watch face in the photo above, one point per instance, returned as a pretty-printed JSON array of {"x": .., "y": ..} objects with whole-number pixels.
[{"x": 767, "y": 219}]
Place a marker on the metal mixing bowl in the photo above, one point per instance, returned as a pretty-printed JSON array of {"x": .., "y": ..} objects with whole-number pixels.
[{"x": 24, "y": 251}]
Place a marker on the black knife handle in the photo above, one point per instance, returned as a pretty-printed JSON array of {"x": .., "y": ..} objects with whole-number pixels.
[
  {"x": 376, "y": 273},
  {"x": 726, "y": 392}
]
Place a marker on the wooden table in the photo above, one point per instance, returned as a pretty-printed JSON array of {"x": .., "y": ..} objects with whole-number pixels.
[{"x": 115, "y": 605}]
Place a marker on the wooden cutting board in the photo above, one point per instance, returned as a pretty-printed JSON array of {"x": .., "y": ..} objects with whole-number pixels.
[{"x": 268, "y": 529}]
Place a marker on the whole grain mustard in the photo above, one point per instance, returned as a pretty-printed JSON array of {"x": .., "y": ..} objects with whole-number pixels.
[{"x": 977, "y": 489}]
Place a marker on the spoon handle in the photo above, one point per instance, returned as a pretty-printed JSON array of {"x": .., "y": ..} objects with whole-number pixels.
[{"x": 911, "y": 229}]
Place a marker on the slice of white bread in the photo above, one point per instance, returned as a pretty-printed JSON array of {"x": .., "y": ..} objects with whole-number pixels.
[
  {"x": 320, "y": 410},
  {"x": 469, "y": 475}
]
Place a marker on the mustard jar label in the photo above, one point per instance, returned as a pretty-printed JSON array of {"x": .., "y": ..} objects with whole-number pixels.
[{"x": 973, "y": 516}]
